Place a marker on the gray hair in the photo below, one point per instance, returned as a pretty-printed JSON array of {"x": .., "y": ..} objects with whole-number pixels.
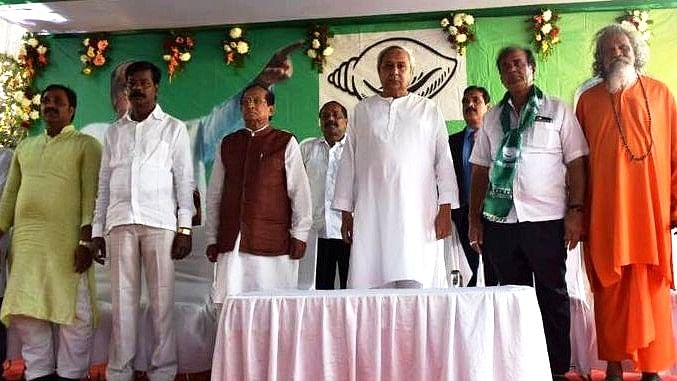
[
  {"x": 639, "y": 48},
  {"x": 382, "y": 54}
]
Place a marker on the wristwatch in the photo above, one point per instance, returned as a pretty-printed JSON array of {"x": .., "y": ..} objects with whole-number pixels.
[{"x": 184, "y": 231}]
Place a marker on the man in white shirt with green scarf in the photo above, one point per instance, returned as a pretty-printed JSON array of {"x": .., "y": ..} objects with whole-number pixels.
[{"x": 527, "y": 194}]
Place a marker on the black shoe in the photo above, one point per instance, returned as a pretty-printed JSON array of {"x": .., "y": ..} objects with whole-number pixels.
[
  {"x": 559, "y": 377},
  {"x": 613, "y": 378},
  {"x": 49, "y": 377},
  {"x": 650, "y": 377}
]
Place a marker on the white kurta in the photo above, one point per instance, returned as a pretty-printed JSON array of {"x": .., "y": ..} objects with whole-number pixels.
[
  {"x": 395, "y": 170},
  {"x": 238, "y": 272}
]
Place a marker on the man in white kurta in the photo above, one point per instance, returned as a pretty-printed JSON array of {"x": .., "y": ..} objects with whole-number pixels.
[
  {"x": 396, "y": 184},
  {"x": 254, "y": 258}
]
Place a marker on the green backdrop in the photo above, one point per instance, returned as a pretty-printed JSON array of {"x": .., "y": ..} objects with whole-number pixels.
[{"x": 207, "y": 80}]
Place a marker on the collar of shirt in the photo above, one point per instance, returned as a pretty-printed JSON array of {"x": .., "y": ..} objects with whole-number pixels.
[
  {"x": 337, "y": 144},
  {"x": 156, "y": 114},
  {"x": 66, "y": 129},
  {"x": 254, "y": 132}
]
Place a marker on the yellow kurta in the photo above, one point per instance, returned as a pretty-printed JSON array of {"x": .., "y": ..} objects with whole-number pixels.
[
  {"x": 49, "y": 194},
  {"x": 631, "y": 204}
]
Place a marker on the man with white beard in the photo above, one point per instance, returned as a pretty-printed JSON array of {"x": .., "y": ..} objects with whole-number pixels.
[{"x": 630, "y": 121}]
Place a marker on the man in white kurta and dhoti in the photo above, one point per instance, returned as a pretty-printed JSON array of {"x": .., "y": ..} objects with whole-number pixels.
[
  {"x": 258, "y": 204},
  {"x": 396, "y": 184}
]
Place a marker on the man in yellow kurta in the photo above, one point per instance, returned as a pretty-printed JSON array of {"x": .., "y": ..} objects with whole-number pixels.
[
  {"x": 630, "y": 121},
  {"x": 49, "y": 201}
]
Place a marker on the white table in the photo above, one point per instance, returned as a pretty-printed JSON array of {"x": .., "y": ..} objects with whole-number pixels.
[{"x": 369, "y": 335}]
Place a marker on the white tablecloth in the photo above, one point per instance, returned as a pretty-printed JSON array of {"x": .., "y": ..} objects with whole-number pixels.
[{"x": 458, "y": 334}]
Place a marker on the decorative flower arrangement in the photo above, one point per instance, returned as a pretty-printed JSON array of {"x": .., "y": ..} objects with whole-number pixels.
[
  {"x": 235, "y": 47},
  {"x": 545, "y": 31},
  {"x": 318, "y": 46},
  {"x": 93, "y": 53},
  {"x": 33, "y": 55},
  {"x": 460, "y": 29},
  {"x": 637, "y": 20},
  {"x": 177, "y": 49},
  {"x": 21, "y": 103}
]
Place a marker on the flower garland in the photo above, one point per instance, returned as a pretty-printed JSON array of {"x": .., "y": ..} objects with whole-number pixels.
[
  {"x": 460, "y": 30},
  {"x": 545, "y": 32},
  {"x": 637, "y": 20},
  {"x": 318, "y": 46},
  {"x": 21, "y": 103},
  {"x": 177, "y": 49},
  {"x": 33, "y": 55},
  {"x": 93, "y": 53},
  {"x": 235, "y": 47}
]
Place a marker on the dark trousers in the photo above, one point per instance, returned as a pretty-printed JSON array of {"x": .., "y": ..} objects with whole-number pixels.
[
  {"x": 527, "y": 251},
  {"x": 329, "y": 253},
  {"x": 3, "y": 344},
  {"x": 460, "y": 217}
]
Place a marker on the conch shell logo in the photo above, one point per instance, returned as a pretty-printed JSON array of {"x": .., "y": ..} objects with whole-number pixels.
[{"x": 358, "y": 75}]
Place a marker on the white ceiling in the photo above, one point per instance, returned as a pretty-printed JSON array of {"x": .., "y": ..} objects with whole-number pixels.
[{"x": 117, "y": 15}]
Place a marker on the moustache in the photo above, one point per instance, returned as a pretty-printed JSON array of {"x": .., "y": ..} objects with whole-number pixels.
[
  {"x": 49, "y": 111},
  {"x": 468, "y": 109},
  {"x": 136, "y": 94}
]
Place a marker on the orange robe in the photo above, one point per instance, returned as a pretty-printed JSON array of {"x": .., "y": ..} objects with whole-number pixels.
[{"x": 631, "y": 205}]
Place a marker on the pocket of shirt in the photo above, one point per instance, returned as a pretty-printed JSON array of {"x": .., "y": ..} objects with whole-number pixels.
[{"x": 545, "y": 138}]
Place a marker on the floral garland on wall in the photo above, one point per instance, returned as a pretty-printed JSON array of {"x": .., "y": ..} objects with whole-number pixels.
[
  {"x": 546, "y": 34},
  {"x": 33, "y": 56},
  {"x": 177, "y": 48},
  {"x": 93, "y": 53},
  {"x": 235, "y": 47},
  {"x": 319, "y": 47},
  {"x": 460, "y": 30},
  {"x": 637, "y": 20}
]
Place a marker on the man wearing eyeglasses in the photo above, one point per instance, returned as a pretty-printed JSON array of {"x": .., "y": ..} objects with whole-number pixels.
[
  {"x": 321, "y": 157},
  {"x": 145, "y": 207},
  {"x": 258, "y": 204}
]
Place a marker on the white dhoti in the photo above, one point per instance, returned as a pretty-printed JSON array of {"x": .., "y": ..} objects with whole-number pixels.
[
  {"x": 74, "y": 341},
  {"x": 129, "y": 247},
  {"x": 237, "y": 272}
]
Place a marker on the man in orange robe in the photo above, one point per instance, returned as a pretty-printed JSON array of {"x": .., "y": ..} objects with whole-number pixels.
[{"x": 630, "y": 121}]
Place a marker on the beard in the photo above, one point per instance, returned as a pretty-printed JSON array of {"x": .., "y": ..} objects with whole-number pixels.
[{"x": 621, "y": 74}]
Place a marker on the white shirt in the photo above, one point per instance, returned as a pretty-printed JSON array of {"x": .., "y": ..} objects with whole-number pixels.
[
  {"x": 146, "y": 174},
  {"x": 298, "y": 191},
  {"x": 321, "y": 162},
  {"x": 395, "y": 171},
  {"x": 539, "y": 185}
]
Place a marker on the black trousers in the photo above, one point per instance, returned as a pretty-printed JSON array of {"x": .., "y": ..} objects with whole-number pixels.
[
  {"x": 460, "y": 218},
  {"x": 527, "y": 251},
  {"x": 329, "y": 253}
]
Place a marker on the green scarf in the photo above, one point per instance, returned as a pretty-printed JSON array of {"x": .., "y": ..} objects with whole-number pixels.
[{"x": 498, "y": 200}]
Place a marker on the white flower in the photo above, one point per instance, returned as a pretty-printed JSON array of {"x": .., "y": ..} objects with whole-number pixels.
[
  {"x": 636, "y": 12},
  {"x": 166, "y": 57},
  {"x": 18, "y": 96},
  {"x": 469, "y": 19},
  {"x": 36, "y": 99},
  {"x": 185, "y": 57},
  {"x": 33, "y": 42},
  {"x": 315, "y": 43},
  {"x": 538, "y": 37},
  {"x": 627, "y": 25},
  {"x": 453, "y": 30},
  {"x": 644, "y": 16},
  {"x": 546, "y": 28},
  {"x": 316, "y": 34},
  {"x": 444, "y": 23},
  {"x": 547, "y": 15},
  {"x": 233, "y": 44},
  {"x": 235, "y": 33},
  {"x": 242, "y": 47},
  {"x": 25, "y": 103},
  {"x": 22, "y": 51},
  {"x": 227, "y": 48},
  {"x": 35, "y": 115},
  {"x": 311, "y": 53},
  {"x": 84, "y": 58},
  {"x": 646, "y": 35},
  {"x": 635, "y": 19},
  {"x": 85, "y": 42},
  {"x": 25, "y": 117},
  {"x": 642, "y": 26},
  {"x": 461, "y": 38},
  {"x": 458, "y": 19},
  {"x": 42, "y": 49},
  {"x": 328, "y": 51}
]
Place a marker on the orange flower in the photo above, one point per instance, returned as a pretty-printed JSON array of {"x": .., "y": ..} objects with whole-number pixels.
[
  {"x": 99, "y": 60},
  {"x": 554, "y": 32},
  {"x": 189, "y": 42},
  {"x": 102, "y": 44}
]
